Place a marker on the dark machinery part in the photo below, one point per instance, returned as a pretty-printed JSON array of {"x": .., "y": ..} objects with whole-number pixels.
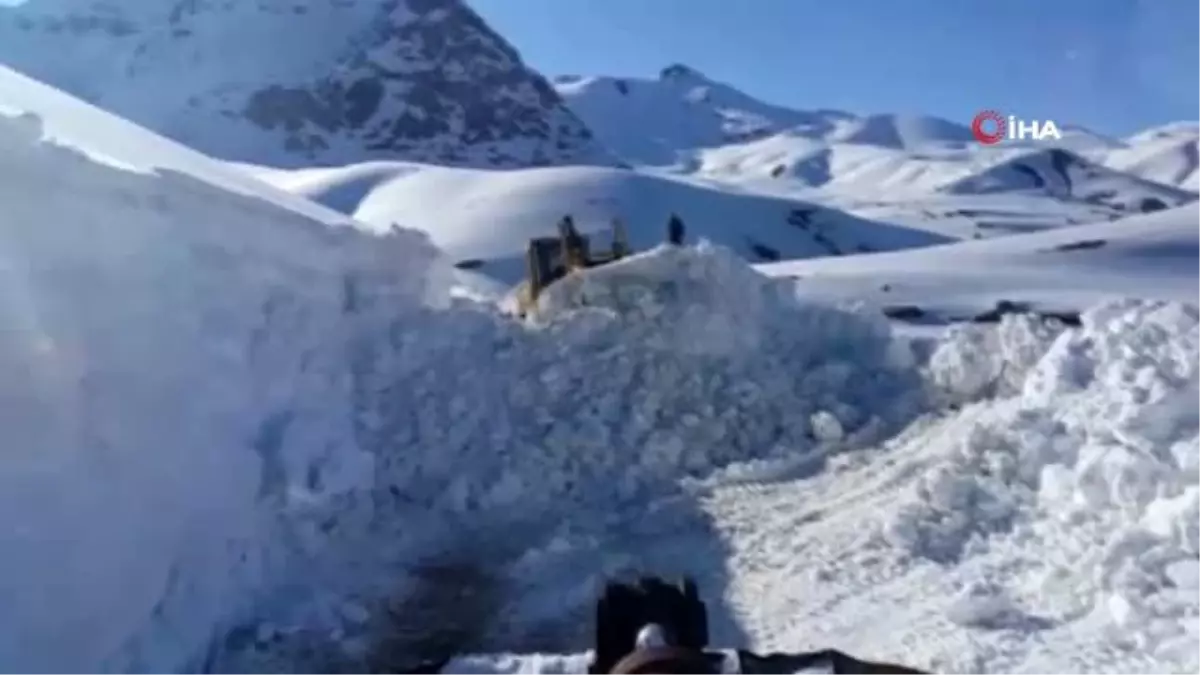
[
  {"x": 549, "y": 259},
  {"x": 625, "y": 610},
  {"x": 676, "y": 611}
]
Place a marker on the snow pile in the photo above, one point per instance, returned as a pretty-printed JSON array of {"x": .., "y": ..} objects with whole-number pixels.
[
  {"x": 1081, "y": 476},
  {"x": 640, "y": 374},
  {"x": 174, "y": 395},
  {"x": 975, "y": 362}
]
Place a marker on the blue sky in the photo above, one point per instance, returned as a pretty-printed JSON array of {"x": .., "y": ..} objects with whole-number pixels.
[{"x": 1115, "y": 66}]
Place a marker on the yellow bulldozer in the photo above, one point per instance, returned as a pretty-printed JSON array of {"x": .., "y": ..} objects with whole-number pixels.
[{"x": 549, "y": 259}]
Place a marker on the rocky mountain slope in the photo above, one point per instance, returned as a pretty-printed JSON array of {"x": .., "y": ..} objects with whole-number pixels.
[{"x": 304, "y": 82}]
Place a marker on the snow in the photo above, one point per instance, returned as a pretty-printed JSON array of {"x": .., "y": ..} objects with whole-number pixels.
[
  {"x": 1080, "y": 428},
  {"x": 114, "y": 141},
  {"x": 295, "y": 83},
  {"x": 902, "y": 132},
  {"x": 651, "y": 121},
  {"x": 1067, "y": 175},
  {"x": 659, "y": 122},
  {"x": 1146, "y": 256},
  {"x": 162, "y": 327},
  {"x": 816, "y": 163},
  {"x": 489, "y": 216},
  {"x": 850, "y": 199},
  {"x": 1166, "y": 155}
]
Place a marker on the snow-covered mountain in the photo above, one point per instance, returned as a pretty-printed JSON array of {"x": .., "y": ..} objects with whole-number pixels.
[
  {"x": 1059, "y": 173},
  {"x": 1168, "y": 154},
  {"x": 656, "y": 121},
  {"x": 794, "y": 158},
  {"x": 292, "y": 82}
]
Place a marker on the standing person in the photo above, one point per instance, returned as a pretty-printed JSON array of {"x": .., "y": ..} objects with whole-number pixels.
[{"x": 675, "y": 230}]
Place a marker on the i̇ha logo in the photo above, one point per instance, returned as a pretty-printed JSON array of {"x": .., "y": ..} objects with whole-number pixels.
[{"x": 990, "y": 127}]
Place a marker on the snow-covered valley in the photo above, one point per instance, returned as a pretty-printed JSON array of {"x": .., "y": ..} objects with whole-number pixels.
[{"x": 895, "y": 396}]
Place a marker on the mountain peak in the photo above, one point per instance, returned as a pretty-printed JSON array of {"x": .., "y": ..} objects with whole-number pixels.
[{"x": 678, "y": 72}]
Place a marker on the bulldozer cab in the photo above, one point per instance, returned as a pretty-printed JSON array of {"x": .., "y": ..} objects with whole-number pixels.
[{"x": 551, "y": 258}]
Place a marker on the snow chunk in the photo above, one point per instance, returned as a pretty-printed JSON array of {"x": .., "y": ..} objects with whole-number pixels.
[
  {"x": 987, "y": 605},
  {"x": 826, "y": 427},
  {"x": 976, "y": 361}
]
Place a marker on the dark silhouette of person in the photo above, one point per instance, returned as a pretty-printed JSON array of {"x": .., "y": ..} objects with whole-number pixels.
[{"x": 675, "y": 230}]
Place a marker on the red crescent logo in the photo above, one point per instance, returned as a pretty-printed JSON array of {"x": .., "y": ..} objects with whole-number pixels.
[{"x": 984, "y": 136}]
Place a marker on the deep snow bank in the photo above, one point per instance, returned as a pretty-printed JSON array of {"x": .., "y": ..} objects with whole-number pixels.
[
  {"x": 1075, "y": 481},
  {"x": 172, "y": 388},
  {"x": 670, "y": 362}
]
